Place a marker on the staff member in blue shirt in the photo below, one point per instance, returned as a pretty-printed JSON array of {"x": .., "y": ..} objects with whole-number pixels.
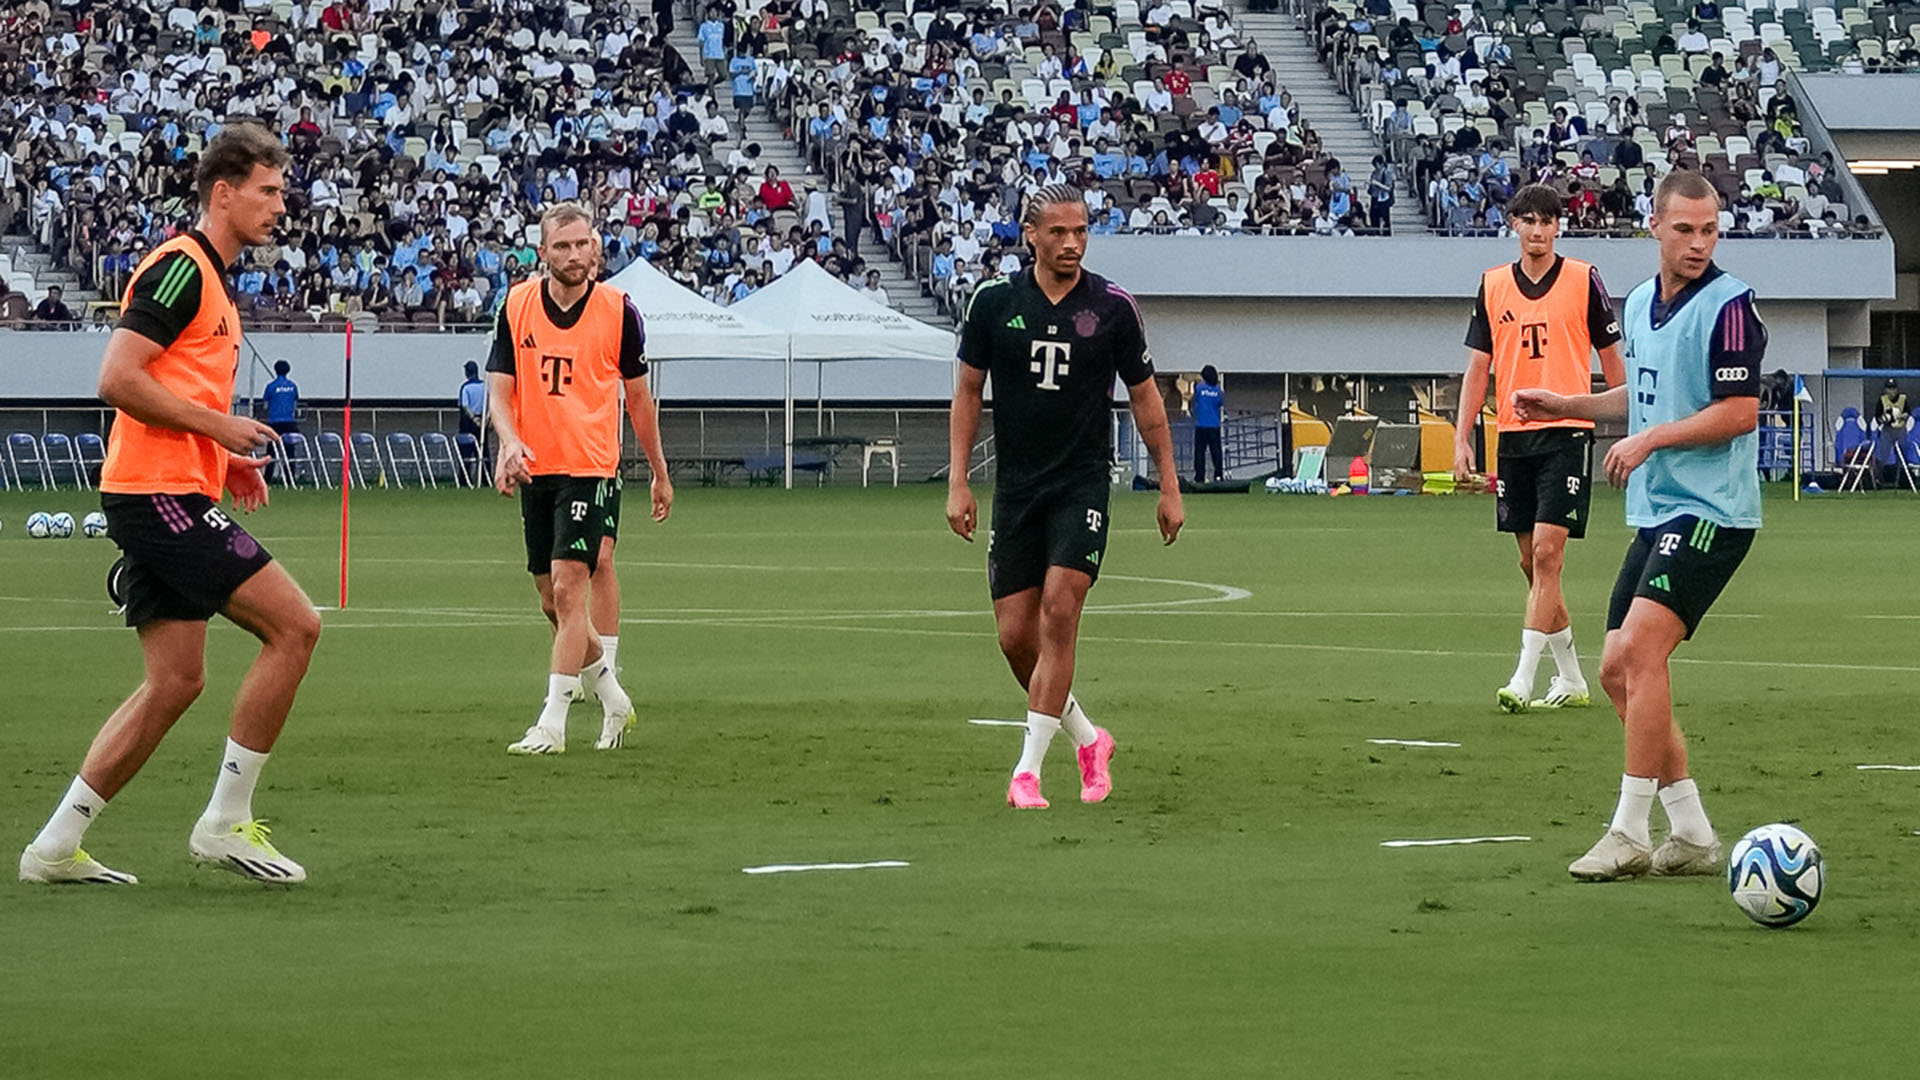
[
  {"x": 1207, "y": 396},
  {"x": 281, "y": 399},
  {"x": 473, "y": 402}
]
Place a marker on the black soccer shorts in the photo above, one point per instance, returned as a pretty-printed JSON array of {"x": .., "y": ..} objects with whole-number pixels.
[
  {"x": 1031, "y": 531},
  {"x": 564, "y": 517},
  {"x": 184, "y": 556},
  {"x": 1553, "y": 488},
  {"x": 1682, "y": 565}
]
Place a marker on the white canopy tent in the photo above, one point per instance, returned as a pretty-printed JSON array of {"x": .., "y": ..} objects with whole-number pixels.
[
  {"x": 683, "y": 325},
  {"x": 826, "y": 321}
]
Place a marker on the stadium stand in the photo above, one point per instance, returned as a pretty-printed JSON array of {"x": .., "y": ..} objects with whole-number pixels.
[
  {"x": 1475, "y": 100},
  {"x": 420, "y": 168}
]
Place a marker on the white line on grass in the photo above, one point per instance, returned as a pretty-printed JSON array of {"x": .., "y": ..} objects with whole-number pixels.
[
  {"x": 1888, "y": 768},
  {"x": 797, "y": 868},
  {"x": 988, "y": 721},
  {"x": 1456, "y": 841},
  {"x": 1409, "y": 742}
]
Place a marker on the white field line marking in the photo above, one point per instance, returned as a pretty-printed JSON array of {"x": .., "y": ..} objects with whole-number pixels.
[
  {"x": 1409, "y": 742},
  {"x": 1888, "y": 768},
  {"x": 1452, "y": 842},
  {"x": 988, "y": 721},
  {"x": 797, "y": 868}
]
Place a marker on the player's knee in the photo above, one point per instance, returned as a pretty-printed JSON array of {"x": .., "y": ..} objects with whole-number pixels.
[
  {"x": 301, "y": 633},
  {"x": 1625, "y": 659},
  {"x": 1016, "y": 639},
  {"x": 1547, "y": 560},
  {"x": 177, "y": 687},
  {"x": 1526, "y": 565},
  {"x": 1059, "y": 613}
]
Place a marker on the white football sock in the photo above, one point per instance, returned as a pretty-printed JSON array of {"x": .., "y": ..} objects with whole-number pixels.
[
  {"x": 1040, "y": 729},
  {"x": 1532, "y": 644},
  {"x": 81, "y": 808},
  {"x": 1564, "y": 659},
  {"x": 606, "y": 686},
  {"x": 560, "y": 690},
  {"x": 609, "y": 648},
  {"x": 1077, "y": 725},
  {"x": 1686, "y": 818},
  {"x": 232, "y": 801},
  {"x": 1636, "y": 804}
]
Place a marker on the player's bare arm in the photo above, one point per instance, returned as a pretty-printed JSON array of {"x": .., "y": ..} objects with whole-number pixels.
[
  {"x": 127, "y": 385},
  {"x": 1534, "y": 405},
  {"x": 963, "y": 425},
  {"x": 1473, "y": 398},
  {"x": 514, "y": 466},
  {"x": 1150, "y": 418},
  {"x": 646, "y": 429},
  {"x": 1723, "y": 421}
]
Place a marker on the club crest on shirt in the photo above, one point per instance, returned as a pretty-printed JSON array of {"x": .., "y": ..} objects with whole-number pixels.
[{"x": 1086, "y": 324}]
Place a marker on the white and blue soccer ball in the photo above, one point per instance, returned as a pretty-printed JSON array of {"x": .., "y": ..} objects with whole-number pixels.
[
  {"x": 1776, "y": 874},
  {"x": 94, "y": 525},
  {"x": 61, "y": 526},
  {"x": 39, "y": 524}
]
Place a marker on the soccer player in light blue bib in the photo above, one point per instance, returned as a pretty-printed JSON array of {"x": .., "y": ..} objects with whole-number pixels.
[{"x": 1690, "y": 464}]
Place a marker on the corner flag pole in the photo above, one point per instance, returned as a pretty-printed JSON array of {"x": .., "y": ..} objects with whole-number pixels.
[{"x": 345, "y": 460}]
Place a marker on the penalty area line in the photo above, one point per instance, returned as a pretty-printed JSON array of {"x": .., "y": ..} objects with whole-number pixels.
[
  {"x": 799, "y": 868},
  {"x": 1888, "y": 768}
]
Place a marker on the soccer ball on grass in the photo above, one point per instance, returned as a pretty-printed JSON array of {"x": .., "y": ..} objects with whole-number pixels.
[
  {"x": 1776, "y": 874},
  {"x": 94, "y": 525},
  {"x": 61, "y": 526},
  {"x": 39, "y": 524}
]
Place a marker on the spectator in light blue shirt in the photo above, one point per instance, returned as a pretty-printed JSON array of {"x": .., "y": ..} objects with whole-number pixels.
[
  {"x": 1106, "y": 163},
  {"x": 713, "y": 46},
  {"x": 742, "y": 68}
]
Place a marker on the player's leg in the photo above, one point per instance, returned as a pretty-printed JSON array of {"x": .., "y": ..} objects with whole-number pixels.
[
  {"x": 1076, "y": 546},
  {"x": 1547, "y": 617},
  {"x": 1562, "y": 495},
  {"x": 1514, "y": 506},
  {"x": 1199, "y": 454},
  {"x": 599, "y": 671},
  {"x": 173, "y": 651},
  {"x": 563, "y": 546},
  {"x": 1016, "y": 573},
  {"x": 1633, "y": 669},
  {"x": 273, "y": 608}
]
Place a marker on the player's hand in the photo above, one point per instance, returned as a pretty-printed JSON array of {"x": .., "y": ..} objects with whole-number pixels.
[
  {"x": 514, "y": 467},
  {"x": 662, "y": 496},
  {"x": 1172, "y": 515},
  {"x": 1627, "y": 455},
  {"x": 243, "y": 434},
  {"x": 963, "y": 512},
  {"x": 1533, "y": 405},
  {"x": 1463, "y": 463},
  {"x": 244, "y": 482}
]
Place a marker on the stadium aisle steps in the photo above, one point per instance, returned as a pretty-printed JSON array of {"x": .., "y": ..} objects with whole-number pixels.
[
  {"x": 903, "y": 294},
  {"x": 1343, "y": 132}
]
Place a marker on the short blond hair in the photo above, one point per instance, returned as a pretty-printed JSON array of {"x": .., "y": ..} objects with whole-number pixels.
[
  {"x": 1682, "y": 184},
  {"x": 562, "y": 213}
]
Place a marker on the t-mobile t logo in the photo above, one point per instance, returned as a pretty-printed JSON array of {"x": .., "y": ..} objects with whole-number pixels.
[{"x": 1050, "y": 362}]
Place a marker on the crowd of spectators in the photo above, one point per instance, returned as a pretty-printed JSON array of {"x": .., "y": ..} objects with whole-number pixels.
[
  {"x": 427, "y": 136},
  {"x": 1471, "y": 126}
]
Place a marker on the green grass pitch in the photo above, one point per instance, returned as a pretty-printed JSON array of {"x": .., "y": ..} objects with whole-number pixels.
[{"x": 805, "y": 665}]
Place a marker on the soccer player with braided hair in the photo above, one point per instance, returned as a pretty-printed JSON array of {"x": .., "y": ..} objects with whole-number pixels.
[{"x": 1052, "y": 338}]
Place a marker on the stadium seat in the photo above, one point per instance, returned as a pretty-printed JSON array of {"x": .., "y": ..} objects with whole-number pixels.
[
  {"x": 436, "y": 450},
  {"x": 58, "y": 451},
  {"x": 23, "y": 451},
  {"x": 875, "y": 447},
  {"x": 366, "y": 459},
  {"x": 91, "y": 449},
  {"x": 472, "y": 464},
  {"x": 296, "y": 461},
  {"x": 1852, "y": 448},
  {"x": 330, "y": 453},
  {"x": 403, "y": 454}
]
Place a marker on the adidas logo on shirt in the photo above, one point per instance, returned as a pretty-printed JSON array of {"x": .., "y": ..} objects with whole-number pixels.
[
  {"x": 527, "y": 342},
  {"x": 1506, "y": 316},
  {"x": 1018, "y": 322},
  {"x": 221, "y": 330}
]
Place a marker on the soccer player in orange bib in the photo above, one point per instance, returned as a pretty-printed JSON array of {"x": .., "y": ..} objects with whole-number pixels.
[
  {"x": 563, "y": 347},
  {"x": 1535, "y": 326},
  {"x": 175, "y": 446}
]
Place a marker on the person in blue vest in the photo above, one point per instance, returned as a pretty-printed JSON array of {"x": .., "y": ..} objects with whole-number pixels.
[
  {"x": 473, "y": 404},
  {"x": 1690, "y": 464},
  {"x": 1207, "y": 397},
  {"x": 281, "y": 399}
]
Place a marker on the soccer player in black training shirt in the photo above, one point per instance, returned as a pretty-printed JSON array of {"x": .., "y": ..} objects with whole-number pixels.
[{"x": 1052, "y": 338}]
